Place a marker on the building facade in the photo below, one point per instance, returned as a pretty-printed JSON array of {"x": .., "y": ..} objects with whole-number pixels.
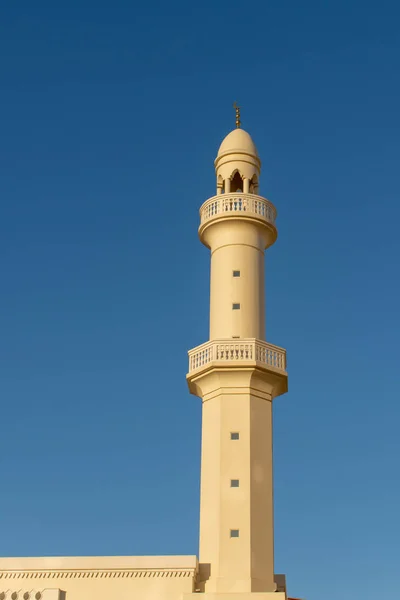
[{"x": 237, "y": 375}]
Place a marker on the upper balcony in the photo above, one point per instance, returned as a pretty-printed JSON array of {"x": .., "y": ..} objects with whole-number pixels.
[{"x": 238, "y": 204}]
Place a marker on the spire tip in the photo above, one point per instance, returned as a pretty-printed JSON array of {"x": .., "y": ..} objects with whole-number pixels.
[{"x": 237, "y": 111}]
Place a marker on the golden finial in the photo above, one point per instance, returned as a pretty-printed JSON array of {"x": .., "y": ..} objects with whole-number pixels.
[{"x": 237, "y": 110}]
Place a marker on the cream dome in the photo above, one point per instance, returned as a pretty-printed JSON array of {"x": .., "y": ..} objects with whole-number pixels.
[{"x": 238, "y": 141}]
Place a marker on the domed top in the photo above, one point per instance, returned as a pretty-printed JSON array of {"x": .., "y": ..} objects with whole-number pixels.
[{"x": 238, "y": 141}]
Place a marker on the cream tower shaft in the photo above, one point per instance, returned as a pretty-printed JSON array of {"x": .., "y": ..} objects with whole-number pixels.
[{"x": 237, "y": 374}]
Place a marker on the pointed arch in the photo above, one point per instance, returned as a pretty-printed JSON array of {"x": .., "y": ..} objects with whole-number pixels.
[{"x": 236, "y": 181}]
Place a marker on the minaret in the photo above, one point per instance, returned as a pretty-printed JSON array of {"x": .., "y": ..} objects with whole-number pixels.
[{"x": 237, "y": 374}]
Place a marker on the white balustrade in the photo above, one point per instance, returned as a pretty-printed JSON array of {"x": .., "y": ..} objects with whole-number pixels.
[
  {"x": 239, "y": 202},
  {"x": 200, "y": 356},
  {"x": 244, "y": 351}
]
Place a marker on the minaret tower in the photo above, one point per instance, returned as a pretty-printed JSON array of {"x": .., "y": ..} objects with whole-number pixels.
[{"x": 237, "y": 374}]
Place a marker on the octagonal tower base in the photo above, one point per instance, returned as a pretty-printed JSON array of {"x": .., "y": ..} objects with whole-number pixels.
[{"x": 239, "y": 596}]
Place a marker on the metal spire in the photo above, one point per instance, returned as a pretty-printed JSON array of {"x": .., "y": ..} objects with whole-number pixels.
[{"x": 237, "y": 110}]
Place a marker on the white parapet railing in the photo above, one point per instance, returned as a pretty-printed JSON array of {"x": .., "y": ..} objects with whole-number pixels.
[
  {"x": 230, "y": 204},
  {"x": 245, "y": 350}
]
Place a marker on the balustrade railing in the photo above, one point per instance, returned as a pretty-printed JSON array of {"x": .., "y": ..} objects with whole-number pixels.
[
  {"x": 235, "y": 203},
  {"x": 243, "y": 350}
]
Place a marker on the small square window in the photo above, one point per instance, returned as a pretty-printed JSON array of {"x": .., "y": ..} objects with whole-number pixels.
[
  {"x": 236, "y": 306},
  {"x": 234, "y": 533},
  {"x": 236, "y": 273},
  {"x": 234, "y": 482},
  {"x": 234, "y": 435}
]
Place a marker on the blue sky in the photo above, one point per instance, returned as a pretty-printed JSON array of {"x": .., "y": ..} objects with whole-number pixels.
[{"x": 112, "y": 114}]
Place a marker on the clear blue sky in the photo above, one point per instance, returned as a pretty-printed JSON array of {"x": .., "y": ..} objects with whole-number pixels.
[{"x": 112, "y": 114}]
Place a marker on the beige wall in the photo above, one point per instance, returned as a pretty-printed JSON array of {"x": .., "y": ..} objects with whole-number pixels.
[{"x": 100, "y": 578}]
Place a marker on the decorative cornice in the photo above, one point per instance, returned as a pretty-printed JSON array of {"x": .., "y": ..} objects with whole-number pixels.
[{"x": 96, "y": 573}]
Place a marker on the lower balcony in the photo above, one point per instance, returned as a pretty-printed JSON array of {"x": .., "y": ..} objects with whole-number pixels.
[{"x": 245, "y": 350}]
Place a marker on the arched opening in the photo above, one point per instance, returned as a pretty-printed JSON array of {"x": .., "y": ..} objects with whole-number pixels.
[{"x": 236, "y": 182}]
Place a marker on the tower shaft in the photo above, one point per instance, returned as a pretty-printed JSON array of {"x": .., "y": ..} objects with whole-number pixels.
[{"x": 237, "y": 280}]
